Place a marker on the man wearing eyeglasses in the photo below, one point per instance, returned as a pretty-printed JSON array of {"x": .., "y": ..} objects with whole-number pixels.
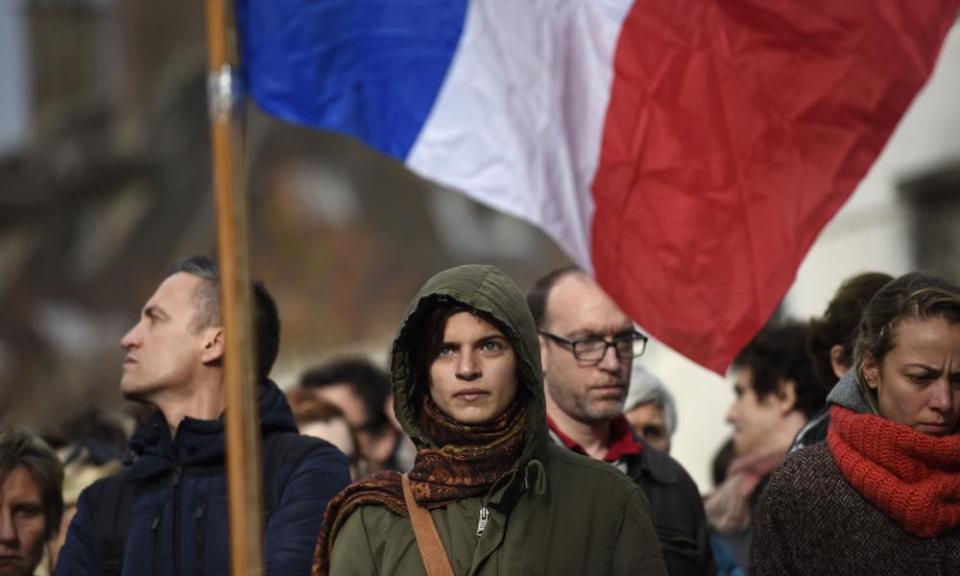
[{"x": 587, "y": 347}]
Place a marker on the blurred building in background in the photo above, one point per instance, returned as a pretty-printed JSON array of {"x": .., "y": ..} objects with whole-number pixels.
[{"x": 105, "y": 176}]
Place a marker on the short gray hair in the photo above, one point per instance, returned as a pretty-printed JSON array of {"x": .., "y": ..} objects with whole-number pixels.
[
  {"x": 266, "y": 317},
  {"x": 646, "y": 388},
  {"x": 207, "y": 293}
]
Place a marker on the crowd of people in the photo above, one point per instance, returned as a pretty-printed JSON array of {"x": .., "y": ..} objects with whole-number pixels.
[{"x": 513, "y": 434}]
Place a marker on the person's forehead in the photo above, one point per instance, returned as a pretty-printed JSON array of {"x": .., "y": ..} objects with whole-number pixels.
[
  {"x": 344, "y": 396},
  {"x": 21, "y": 487},
  {"x": 577, "y": 303},
  {"x": 175, "y": 290},
  {"x": 928, "y": 340},
  {"x": 465, "y": 321},
  {"x": 337, "y": 392}
]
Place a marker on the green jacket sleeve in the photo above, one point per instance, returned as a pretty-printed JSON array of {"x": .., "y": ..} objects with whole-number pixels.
[
  {"x": 637, "y": 550},
  {"x": 351, "y": 554}
]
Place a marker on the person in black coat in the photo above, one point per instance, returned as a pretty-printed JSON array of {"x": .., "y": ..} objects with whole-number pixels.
[{"x": 166, "y": 513}]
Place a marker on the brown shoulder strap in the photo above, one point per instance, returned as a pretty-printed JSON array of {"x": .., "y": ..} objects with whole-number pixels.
[{"x": 428, "y": 539}]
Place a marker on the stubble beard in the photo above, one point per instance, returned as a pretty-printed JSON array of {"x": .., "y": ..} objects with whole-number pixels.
[
  {"x": 600, "y": 410},
  {"x": 580, "y": 407}
]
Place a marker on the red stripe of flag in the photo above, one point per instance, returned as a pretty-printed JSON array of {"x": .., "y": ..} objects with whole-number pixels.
[{"x": 735, "y": 131}]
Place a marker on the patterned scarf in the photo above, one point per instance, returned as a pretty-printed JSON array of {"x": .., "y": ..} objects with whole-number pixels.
[
  {"x": 914, "y": 478},
  {"x": 469, "y": 460}
]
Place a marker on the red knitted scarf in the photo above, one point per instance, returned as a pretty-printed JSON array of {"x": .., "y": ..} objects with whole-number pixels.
[{"x": 911, "y": 477}]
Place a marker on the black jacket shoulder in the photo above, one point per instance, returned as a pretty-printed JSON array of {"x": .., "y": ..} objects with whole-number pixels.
[{"x": 677, "y": 510}]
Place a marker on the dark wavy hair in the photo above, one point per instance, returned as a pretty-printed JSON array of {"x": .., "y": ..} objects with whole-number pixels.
[
  {"x": 779, "y": 351},
  {"x": 838, "y": 325}
]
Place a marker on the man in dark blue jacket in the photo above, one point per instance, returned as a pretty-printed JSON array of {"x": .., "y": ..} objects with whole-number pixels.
[{"x": 166, "y": 513}]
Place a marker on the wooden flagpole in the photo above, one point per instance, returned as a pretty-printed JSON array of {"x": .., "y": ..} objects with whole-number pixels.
[{"x": 243, "y": 429}]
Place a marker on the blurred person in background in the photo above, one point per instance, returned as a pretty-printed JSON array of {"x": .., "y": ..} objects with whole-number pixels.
[
  {"x": 776, "y": 392},
  {"x": 78, "y": 474},
  {"x": 93, "y": 435},
  {"x": 882, "y": 495},
  {"x": 502, "y": 499},
  {"x": 361, "y": 390},
  {"x": 831, "y": 344},
  {"x": 166, "y": 513},
  {"x": 90, "y": 445},
  {"x": 31, "y": 500},
  {"x": 588, "y": 346},
  {"x": 650, "y": 408},
  {"x": 719, "y": 465},
  {"x": 321, "y": 419}
]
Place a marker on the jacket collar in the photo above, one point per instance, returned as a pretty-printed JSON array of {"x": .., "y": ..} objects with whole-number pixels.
[
  {"x": 198, "y": 442},
  {"x": 623, "y": 442},
  {"x": 847, "y": 393}
]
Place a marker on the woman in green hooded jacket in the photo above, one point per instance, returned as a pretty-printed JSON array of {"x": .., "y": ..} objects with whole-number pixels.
[{"x": 504, "y": 500}]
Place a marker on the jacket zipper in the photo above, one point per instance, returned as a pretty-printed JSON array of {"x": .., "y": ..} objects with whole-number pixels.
[
  {"x": 199, "y": 539},
  {"x": 175, "y": 482},
  {"x": 157, "y": 562},
  {"x": 484, "y": 518}
]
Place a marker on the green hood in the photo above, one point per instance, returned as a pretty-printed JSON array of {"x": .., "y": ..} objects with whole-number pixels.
[{"x": 487, "y": 289}]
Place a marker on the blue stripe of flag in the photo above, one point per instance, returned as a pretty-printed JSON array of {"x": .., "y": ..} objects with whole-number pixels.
[{"x": 371, "y": 69}]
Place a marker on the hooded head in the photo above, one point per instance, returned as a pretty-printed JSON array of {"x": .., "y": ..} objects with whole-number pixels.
[
  {"x": 494, "y": 464},
  {"x": 490, "y": 295}
]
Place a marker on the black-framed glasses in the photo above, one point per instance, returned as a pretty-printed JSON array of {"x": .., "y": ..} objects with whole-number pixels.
[{"x": 591, "y": 349}]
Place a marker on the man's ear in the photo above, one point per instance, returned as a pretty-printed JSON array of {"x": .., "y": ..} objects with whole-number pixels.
[
  {"x": 212, "y": 345},
  {"x": 786, "y": 395},
  {"x": 870, "y": 370},
  {"x": 840, "y": 367}
]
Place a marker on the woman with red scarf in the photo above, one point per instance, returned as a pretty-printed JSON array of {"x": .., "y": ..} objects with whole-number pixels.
[
  {"x": 488, "y": 493},
  {"x": 882, "y": 495}
]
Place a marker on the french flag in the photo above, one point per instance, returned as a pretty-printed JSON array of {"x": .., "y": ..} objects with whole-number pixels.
[{"x": 686, "y": 152}]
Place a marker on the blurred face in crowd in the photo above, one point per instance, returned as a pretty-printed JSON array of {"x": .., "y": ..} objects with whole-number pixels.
[
  {"x": 757, "y": 424},
  {"x": 23, "y": 523},
  {"x": 165, "y": 349},
  {"x": 587, "y": 392},
  {"x": 337, "y": 432},
  {"x": 649, "y": 421},
  {"x": 375, "y": 445},
  {"x": 343, "y": 397},
  {"x": 473, "y": 379},
  {"x": 918, "y": 380}
]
